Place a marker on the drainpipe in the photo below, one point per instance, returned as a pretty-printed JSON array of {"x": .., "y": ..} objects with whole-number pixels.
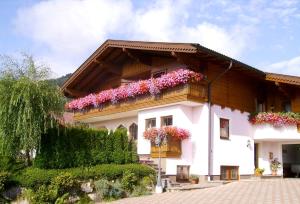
[{"x": 210, "y": 122}]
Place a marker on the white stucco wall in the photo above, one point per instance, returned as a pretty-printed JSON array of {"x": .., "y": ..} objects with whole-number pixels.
[
  {"x": 271, "y": 139},
  {"x": 113, "y": 124},
  {"x": 194, "y": 149},
  {"x": 268, "y": 132},
  {"x": 233, "y": 152},
  {"x": 264, "y": 161}
]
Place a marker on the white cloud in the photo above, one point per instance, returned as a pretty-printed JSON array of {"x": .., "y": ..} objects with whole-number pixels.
[
  {"x": 65, "y": 32},
  {"x": 71, "y": 29},
  {"x": 291, "y": 67}
]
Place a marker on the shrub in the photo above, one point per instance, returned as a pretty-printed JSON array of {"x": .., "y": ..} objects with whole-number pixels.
[
  {"x": 68, "y": 147},
  {"x": 129, "y": 181},
  {"x": 147, "y": 181},
  {"x": 65, "y": 182},
  {"x": 109, "y": 190},
  {"x": 3, "y": 180},
  {"x": 102, "y": 188},
  {"x": 32, "y": 177},
  {"x": 140, "y": 191},
  {"x": 43, "y": 194}
]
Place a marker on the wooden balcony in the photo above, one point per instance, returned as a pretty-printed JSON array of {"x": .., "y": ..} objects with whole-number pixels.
[
  {"x": 170, "y": 150},
  {"x": 188, "y": 92}
]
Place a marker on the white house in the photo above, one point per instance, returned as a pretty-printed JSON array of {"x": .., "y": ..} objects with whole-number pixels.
[{"x": 214, "y": 108}]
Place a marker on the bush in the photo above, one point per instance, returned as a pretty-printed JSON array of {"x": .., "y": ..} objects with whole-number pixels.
[
  {"x": 3, "y": 180},
  {"x": 102, "y": 188},
  {"x": 32, "y": 177},
  {"x": 43, "y": 194},
  {"x": 68, "y": 147},
  {"x": 129, "y": 181},
  {"x": 147, "y": 181},
  {"x": 140, "y": 191},
  {"x": 109, "y": 190},
  {"x": 65, "y": 182},
  {"x": 58, "y": 190}
]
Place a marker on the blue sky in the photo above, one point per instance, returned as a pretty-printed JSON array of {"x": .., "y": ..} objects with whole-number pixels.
[{"x": 63, "y": 33}]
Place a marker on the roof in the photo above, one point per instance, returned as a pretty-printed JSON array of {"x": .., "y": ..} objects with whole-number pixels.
[
  {"x": 137, "y": 45},
  {"x": 287, "y": 79},
  {"x": 113, "y": 50}
]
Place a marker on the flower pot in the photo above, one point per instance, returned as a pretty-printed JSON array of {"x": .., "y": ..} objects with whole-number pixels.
[
  {"x": 194, "y": 181},
  {"x": 258, "y": 174},
  {"x": 298, "y": 127},
  {"x": 274, "y": 173}
]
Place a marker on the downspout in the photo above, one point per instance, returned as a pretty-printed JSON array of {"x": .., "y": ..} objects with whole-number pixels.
[{"x": 210, "y": 122}]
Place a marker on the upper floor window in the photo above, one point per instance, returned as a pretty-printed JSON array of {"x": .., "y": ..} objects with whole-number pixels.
[
  {"x": 158, "y": 73},
  {"x": 133, "y": 131},
  {"x": 224, "y": 128},
  {"x": 150, "y": 123},
  {"x": 260, "y": 106},
  {"x": 167, "y": 121},
  {"x": 287, "y": 107}
]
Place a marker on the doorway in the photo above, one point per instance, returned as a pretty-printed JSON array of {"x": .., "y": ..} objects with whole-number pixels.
[
  {"x": 291, "y": 160},
  {"x": 256, "y": 155}
]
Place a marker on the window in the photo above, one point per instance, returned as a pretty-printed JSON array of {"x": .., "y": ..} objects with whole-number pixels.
[
  {"x": 158, "y": 73},
  {"x": 121, "y": 127},
  {"x": 150, "y": 123},
  {"x": 224, "y": 128},
  {"x": 286, "y": 105},
  {"x": 260, "y": 106},
  {"x": 183, "y": 173},
  {"x": 229, "y": 173},
  {"x": 133, "y": 131},
  {"x": 166, "y": 121}
]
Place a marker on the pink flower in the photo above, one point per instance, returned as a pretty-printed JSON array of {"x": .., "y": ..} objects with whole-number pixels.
[
  {"x": 276, "y": 119},
  {"x": 163, "y": 132},
  {"x": 150, "y": 86}
]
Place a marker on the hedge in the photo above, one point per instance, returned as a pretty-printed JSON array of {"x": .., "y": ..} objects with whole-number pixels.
[
  {"x": 68, "y": 147},
  {"x": 32, "y": 177}
]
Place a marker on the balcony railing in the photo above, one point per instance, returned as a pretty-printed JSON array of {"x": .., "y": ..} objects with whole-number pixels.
[{"x": 195, "y": 92}]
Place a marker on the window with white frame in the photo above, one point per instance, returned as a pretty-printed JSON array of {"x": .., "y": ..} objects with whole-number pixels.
[
  {"x": 224, "y": 128},
  {"x": 166, "y": 121},
  {"x": 150, "y": 123}
]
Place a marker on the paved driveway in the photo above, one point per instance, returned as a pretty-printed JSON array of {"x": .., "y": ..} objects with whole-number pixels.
[{"x": 256, "y": 191}]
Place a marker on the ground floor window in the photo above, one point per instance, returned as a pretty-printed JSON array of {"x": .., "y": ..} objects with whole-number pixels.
[
  {"x": 183, "y": 173},
  {"x": 133, "y": 131},
  {"x": 229, "y": 173}
]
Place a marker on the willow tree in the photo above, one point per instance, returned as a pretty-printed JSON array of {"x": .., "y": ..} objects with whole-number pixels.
[{"x": 29, "y": 104}]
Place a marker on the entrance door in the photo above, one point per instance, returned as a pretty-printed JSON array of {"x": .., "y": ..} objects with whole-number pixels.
[
  {"x": 256, "y": 155},
  {"x": 291, "y": 160}
]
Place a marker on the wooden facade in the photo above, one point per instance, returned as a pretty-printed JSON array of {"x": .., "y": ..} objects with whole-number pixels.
[
  {"x": 188, "y": 92},
  {"x": 243, "y": 87}
]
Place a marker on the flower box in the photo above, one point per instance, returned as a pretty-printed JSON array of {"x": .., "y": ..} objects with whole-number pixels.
[
  {"x": 170, "y": 138},
  {"x": 171, "y": 149},
  {"x": 153, "y": 86},
  {"x": 277, "y": 120}
]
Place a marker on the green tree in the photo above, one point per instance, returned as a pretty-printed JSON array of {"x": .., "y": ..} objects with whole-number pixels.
[{"x": 29, "y": 104}]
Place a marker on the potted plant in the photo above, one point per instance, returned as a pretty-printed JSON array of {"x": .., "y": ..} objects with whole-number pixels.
[
  {"x": 194, "y": 179},
  {"x": 275, "y": 165},
  {"x": 259, "y": 171}
]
